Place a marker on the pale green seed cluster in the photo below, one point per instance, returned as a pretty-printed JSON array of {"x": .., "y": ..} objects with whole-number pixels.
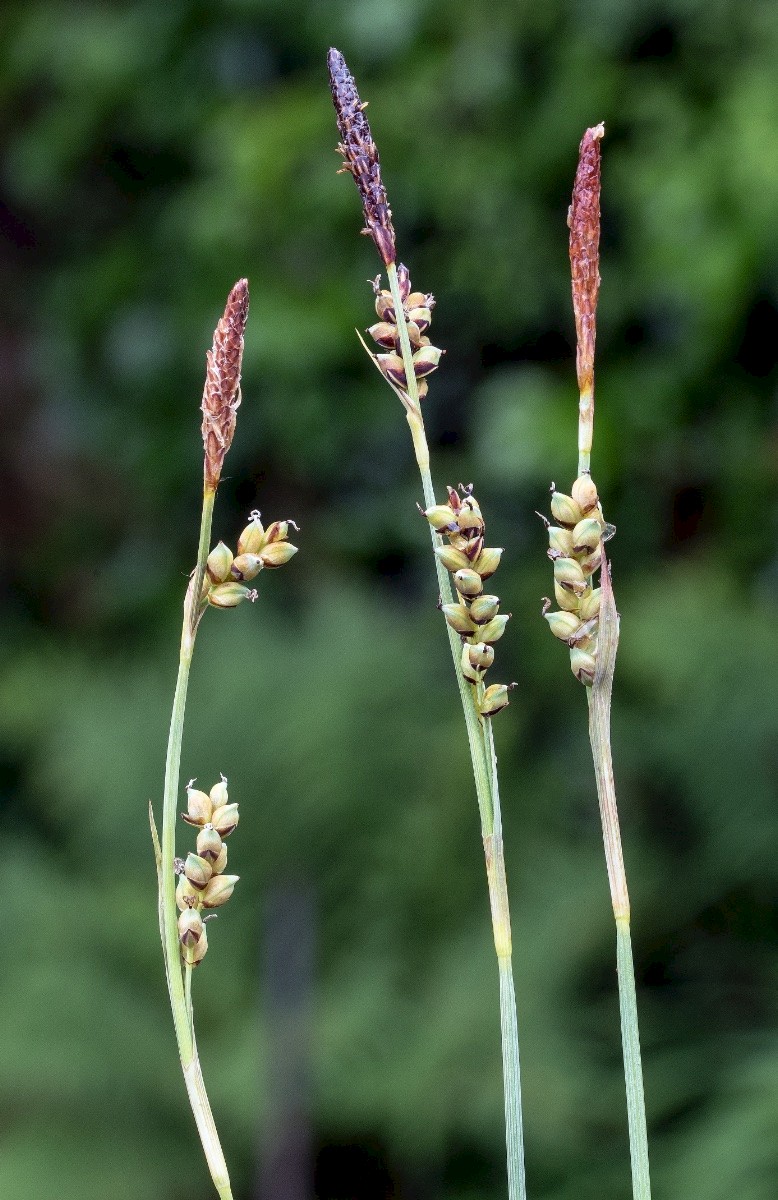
[
  {"x": 575, "y": 548},
  {"x": 202, "y": 884},
  {"x": 259, "y": 549},
  {"x": 475, "y": 616}
]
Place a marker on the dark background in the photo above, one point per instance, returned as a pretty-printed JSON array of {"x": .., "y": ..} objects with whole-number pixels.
[{"x": 152, "y": 154}]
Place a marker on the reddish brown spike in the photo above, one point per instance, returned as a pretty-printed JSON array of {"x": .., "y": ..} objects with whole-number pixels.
[
  {"x": 361, "y": 154},
  {"x": 221, "y": 395},
  {"x": 584, "y": 222}
]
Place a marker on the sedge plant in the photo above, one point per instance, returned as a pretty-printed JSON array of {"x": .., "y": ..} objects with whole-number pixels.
[
  {"x": 191, "y": 888},
  {"x": 586, "y": 619},
  {"x": 406, "y": 359}
]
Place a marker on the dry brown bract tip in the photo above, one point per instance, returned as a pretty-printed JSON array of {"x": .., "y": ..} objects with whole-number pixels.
[
  {"x": 584, "y": 222},
  {"x": 221, "y": 395},
  {"x": 361, "y": 156}
]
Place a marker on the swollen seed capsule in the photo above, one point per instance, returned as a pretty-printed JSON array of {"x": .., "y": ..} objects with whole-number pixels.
[
  {"x": 568, "y": 573},
  {"x": 471, "y": 673},
  {"x": 199, "y": 807},
  {"x": 385, "y": 334},
  {"x": 277, "y": 553},
  {"x": 218, "y": 794},
  {"x": 469, "y": 501},
  {"x": 458, "y": 541},
  {"x": 229, "y": 595},
  {"x": 488, "y": 561},
  {"x": 246, "y": 566},
  {"x": 426, "y": 360},
  {"x": 495, "y": 698},
  {"x": 584, "y": 493},
  {"x": 420, "y": 316},
  {"x": 565, "y": 599},
  {"x": 278, "y": 531},
  {"x": 392, "y": 367},
  {"x": 494, "y": 629},
  {"x": 586, "y": 536},
  {"x": 484, "y": 608},
  {"x": 221, "y": 861},
  {"x": 583, "y": 666},
  {"x": 194, "y": 955},
  {"x": 564, "y": 509},
  {"x": 453, "y": 560},
  {"x": 197, "y": 870},
  {"x": 441, "y": 517},
  {"x": 414, "y": 336},
  {"x": 190, "y": 928},
  {"x": 458, "y": 618},
  {"x": 209, "y": 844},
  {"x": 415, "y": 300},
  {"x": 187, "y": 896},
  {"x": 225, "y": 819},
  {"x": 563, "y": 624},
  {"x": 589, "y": 604},
  {"x": 218, "y": 563},
  {"x": 468, "y": 583},
  {"x": 218, "y": 890},
  {"x": 560, "y": 541},
  {"x": 481, "y": 656},
  {"x": 384, "y": 306},
  {"x": 469, "y": 521},
  {"x": 252, "y": 539}
]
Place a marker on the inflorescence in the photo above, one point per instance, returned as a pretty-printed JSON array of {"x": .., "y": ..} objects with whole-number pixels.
[
  {"x": 360, "y": 156},
  {"x": 475, "y": 616},
  {"x": 202, "y": 884},
  {"x": 224, "y": 585},
  {"x": 221, "y": 394},
  {"x": 575, "y": 548},
  {"x": 417, "y": 315},
  {"x": 576, "y": 540}
]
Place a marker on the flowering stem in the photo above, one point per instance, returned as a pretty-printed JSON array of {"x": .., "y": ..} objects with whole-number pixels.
[
  {"x": 188, "y": 993},
  {"x": 180, "y": 997},
  {"x": 584, "y": 223},
  {"x": 481, "y": 743},
  {"x": 633, "y": 1070},
  {"x": 599, "y": 696}
]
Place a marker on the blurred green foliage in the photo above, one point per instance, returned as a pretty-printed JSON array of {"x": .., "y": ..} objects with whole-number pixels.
[{"x": 152, "y": 154}]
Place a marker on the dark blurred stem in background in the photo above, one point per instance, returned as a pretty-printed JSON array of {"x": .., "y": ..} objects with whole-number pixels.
[{"x": 287, "y": 972}]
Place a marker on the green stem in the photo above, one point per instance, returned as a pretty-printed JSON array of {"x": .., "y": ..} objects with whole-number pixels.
[
  {"x": 190, "y": 1063},
  {"x": 514, "y": 1134},
  {"x": 481, "y": 743},
  {"x": 514, "y": 1131},
  {"x": 481, "y": 767},
  {"x": 599, "y": 696},
  {"x": 188, "y": 995},
  {"x": 633, "y": 1069}
]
